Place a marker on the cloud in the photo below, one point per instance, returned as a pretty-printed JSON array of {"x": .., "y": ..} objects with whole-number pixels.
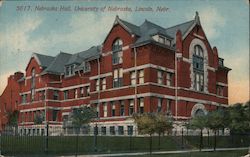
[{"x": 211, "y": 21}]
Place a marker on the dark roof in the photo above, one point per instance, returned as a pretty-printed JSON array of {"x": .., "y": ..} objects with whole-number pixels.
[
  {"x": 58, "y": 64},
  {"x": 148, "y": 29},
  {"x": 44, "y": 59},
  {"x": 78, "y": 58},
  {"x": 183, "y": 27}
]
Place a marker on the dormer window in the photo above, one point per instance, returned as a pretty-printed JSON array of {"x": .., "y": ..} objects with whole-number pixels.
[
  {"x": 117, "y": 51},
  {"x": 162, "y": 39},
  {"x": 86, "y": 67},
  {"x": 69, "y": 70}
]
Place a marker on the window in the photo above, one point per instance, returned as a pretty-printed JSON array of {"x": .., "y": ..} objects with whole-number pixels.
[
  {"x": 118, "y": 75},
  {"x": 141, "y": 105},
  {"x": 55, "y": 115},
  {"x": 103, "y": 130},
  {"x": 97, "y": 110},
  {"x": 105, "y": 110},
  {"x": 120, "y": 130},
  {"x": 65, "y": 94},
  {"x": 24, "y": 98},
  {"x": 55, "y": 95},
  {"x": 221, "y": 62},
  {"x": 141, "y": 76},
  {"x": 169, "y": 79},
  {"x": 160, "y": 77},
  {"x": 198, "y": 68},
  {"x": 161, "y": 40},
  {"x": 219, "y": 90},
  {"x": 168, "y": 105},
  {"x": 69, "y": 70},
  {"x": 76, "y": 93},
  {"x": 88, "y": 90},
  {"x": 97, "y": 85},
  {"x": 33, "y": 83},
  {"x": 130, "y": 130},
  {"x": 159, "y": 105},
  {"x": 131, "y": 107},
  {"x": 112, "y": 109},
  {"x": 103, "y": 83},
  {"x": 86, "y": 67},
  {"x": 81, "y": 92},
  {"x": 117, "y": 52},
  {"x": 122, "y": 113},
  {"x": 132, "y": 78},
  {"x": 112, "y": 130},
  {"x": 42, "y": 95}
]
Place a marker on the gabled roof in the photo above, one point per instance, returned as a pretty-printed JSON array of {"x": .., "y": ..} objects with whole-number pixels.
[
  {"x": 58, "y": 64},
  {"x": 42, "y": 60},
  {"x": 79, "y": 57}
]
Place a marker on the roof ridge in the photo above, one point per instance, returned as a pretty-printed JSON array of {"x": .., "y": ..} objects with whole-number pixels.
[
  {"x": 146, "y": 20},
  {"x": 179, "y": 24}
]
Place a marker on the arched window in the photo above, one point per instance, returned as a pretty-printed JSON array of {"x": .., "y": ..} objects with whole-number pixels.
[
  {"x": 198, "y": 68},
  {"x": 199, "y": 112},
  {"x": 33, "y": 82},
  {"x": 117, "y": 51}
]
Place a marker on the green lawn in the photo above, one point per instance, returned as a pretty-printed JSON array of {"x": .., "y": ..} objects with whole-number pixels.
[{"x": 65, "y": 145}]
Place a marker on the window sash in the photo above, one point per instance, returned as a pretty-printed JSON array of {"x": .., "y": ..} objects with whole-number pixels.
[{"x": 141, "y": 76}]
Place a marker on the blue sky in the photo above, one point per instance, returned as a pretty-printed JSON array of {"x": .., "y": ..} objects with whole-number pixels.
[{"x": 226, "y": 24}]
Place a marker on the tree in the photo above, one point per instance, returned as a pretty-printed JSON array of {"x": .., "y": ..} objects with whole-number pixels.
[
  {"x": 13, "y": 118},
  {"x": 216, "y": 122},
  {"x": 150, "y": 123},
  {"x": 82, "y": 115},
  {"x": 199, "y": 122},
  {"x": 163, "y": 123}
]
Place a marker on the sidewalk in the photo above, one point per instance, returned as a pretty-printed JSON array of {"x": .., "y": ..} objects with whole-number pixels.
[{"x": 159, "y": 152}]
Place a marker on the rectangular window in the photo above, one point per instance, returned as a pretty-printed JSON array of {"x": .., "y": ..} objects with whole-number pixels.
[
  {"x": 112, "y": 130},
  {"x": 132, "y": 78},
  {"x": 168, "y": 106},
  {"x": 159, "y": 106},
  {"x": 103, "y": 130},
  {"x": 55, "y": 95},
  {"x": 97, "y": 85},
  {"x": 69, "y": 70},
  {"x": 81, "y": 92},
  {"x": 76, "y": 93},
  {"x": 122, "y": 108},
  {"x": 219, "y": 90},
  {"x": 65, "y": 94},
  {"x": 120, "y": 130},
  {"x": 55, "y": 115},
  {"x": 169, "y": 79},
  {"x": 141, "y": 105},
  {"x": 32, "y": 94},
  {"x": 24, "y": 98},
  {"x": 117, "y": 57},
  {"x": 112, "y": 109},
  {"x": 86, "y": 67},
  {"x": 42, "y": 95},
  {"x": 88, "y": 90},
  {"x": 130, "y": 130},
  {"x": 118, "y": 75},
  {"x": 160, "y": 77},
  {"x": 97, "y": 110},
  {"x": 105, "y": 110},
  {"x": 131, "y": 107},
  {"x": 141, "y": 76},
  {"x": 103, "y": 83}
]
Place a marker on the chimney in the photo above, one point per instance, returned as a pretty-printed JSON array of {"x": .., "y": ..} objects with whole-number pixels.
[
  {"x": 178, "y": 41},
  {"x": 216, "y": 57}
]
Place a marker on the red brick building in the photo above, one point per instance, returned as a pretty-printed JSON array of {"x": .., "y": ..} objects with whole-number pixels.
[{"x": 137, "y": 69}]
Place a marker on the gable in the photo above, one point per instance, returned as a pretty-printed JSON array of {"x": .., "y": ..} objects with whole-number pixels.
[{"x": 117, "y": 31}]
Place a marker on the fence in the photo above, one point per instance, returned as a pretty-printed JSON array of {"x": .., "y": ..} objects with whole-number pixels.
[{"x": 77, "y": 141}]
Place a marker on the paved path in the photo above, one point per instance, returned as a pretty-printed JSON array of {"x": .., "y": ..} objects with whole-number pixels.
[{"x": 159, "y": 152}]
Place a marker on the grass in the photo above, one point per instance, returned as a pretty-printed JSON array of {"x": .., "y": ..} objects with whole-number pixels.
[{"x": 64, "y": 145}]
